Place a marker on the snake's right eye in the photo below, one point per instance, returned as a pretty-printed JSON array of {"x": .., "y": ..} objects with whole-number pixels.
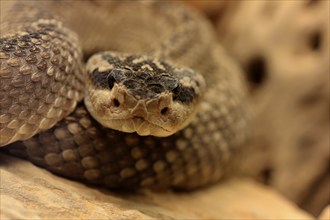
[{"x": 111, "y": 81}]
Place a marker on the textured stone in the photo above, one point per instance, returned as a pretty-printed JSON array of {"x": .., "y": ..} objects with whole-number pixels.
[
  {"x": 284, "y": 48},
  {"x": 325, "y": 214},
  {"x": 29, "y": 192},
  {"x": 210, "y": 8}
]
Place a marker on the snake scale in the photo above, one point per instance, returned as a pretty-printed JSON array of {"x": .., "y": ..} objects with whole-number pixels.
[{"x": 168, "y": 104}]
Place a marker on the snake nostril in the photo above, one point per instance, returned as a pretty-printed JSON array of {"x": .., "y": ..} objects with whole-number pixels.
[
  {"x": 116, "y": 103},
  {"x": 164, "y": 111}
]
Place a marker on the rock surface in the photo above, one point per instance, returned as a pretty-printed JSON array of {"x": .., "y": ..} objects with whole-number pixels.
[
  {"x": 29, "y": 192},
  {"x": 284, "y": 48},
  {"x": 325, "y": 214}
]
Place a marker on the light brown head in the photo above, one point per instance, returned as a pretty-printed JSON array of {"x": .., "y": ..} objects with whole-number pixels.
[{"x": 136, "y": 93}]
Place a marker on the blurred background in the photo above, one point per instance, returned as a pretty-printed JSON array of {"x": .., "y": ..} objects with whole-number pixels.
[{"x": 283, "y": 48}]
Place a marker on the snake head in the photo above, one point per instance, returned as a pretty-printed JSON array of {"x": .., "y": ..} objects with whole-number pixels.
[{"x": 137, "y": 93}]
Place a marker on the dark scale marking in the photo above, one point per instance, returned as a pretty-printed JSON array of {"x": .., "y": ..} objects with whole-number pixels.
[
  {"x": 143, "y": 82},
  {"x": 111, "y": 59},
  {"x": 12, "y": 41},
  {"x": 184, "y": 94},
  {"x": 20, "y": 53},
  {"x": 32, "y": 59},
  {"x": 35, "y": 35},
  {"x": 129, "y": 61},
  {"x": 9, "y": 48},
  {"x": 25, "y": 37},
  {"x": 102, "y": 79},
  {"x": 156, "y": 88},
  {"x": 35, "y": 49},
  {"x": 42, "y": 65},
  {"x": 111, "y": 81},
  {"x": 25, "y": 44}
]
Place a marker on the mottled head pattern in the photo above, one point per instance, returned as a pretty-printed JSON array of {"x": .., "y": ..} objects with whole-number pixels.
[{"x": 136, "y": 93}]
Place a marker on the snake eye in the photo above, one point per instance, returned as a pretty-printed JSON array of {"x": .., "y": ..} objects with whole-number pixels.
[{"x": 111, "y": 81}]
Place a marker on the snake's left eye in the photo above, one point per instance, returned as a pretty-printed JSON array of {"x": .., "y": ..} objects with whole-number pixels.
[{"x": 111, "y": 81}]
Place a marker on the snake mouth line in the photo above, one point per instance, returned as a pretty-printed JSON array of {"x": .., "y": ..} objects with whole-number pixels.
[
  {"x": 128, "y": 124},
  {"x": 138, "y": 120}
]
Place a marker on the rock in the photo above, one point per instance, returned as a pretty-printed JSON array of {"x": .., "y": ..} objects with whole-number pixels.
[
  {"x": 29, "y": 192},
  {"x": 212, "y": 9},
  {"x": 284, "y": 48},
  {"x": 325, "y": 214}
]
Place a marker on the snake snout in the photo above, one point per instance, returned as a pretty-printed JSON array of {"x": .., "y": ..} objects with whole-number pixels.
[
  {"x": 140, "y": 110},
  {"x": 118, "y": 99},
  {"x": 164, "y": 105},
  {"x": 159, "y": 107}
]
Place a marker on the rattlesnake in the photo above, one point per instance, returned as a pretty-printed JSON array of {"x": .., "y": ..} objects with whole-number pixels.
[{"x": 153, "y": 87}]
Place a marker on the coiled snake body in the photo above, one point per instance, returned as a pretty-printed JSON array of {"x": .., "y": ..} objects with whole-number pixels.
[{"x": 145, "y": 97}]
